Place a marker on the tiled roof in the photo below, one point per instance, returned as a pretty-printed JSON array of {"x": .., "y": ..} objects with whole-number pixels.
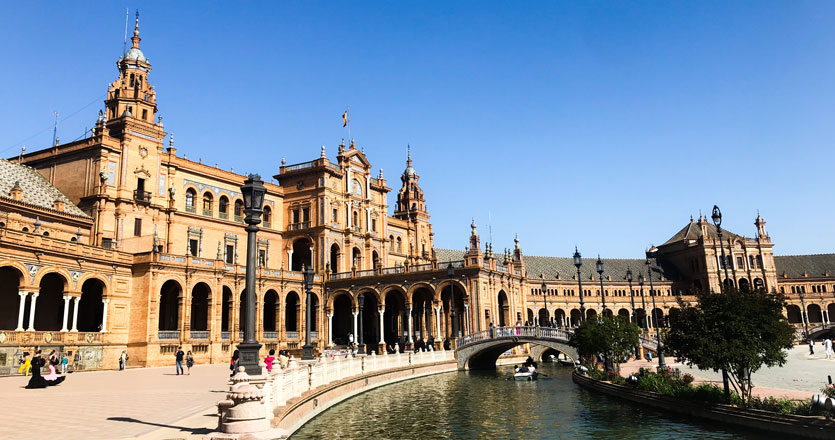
[
  {"x": 564, "y": 266},
  {"x": 813, "y": 265},
  {"x": 36, "y": 190},
  {"x": 693, "y": 232}
]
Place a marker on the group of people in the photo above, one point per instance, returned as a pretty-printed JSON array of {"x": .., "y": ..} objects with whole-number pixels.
[
  {"x": 36, "y": 364},
  {"x": 179, "y": 357},
  {"x": 528, "y": 367},
  {"x": 283, "y": 359},
  {"x": 827, "y": 347}
]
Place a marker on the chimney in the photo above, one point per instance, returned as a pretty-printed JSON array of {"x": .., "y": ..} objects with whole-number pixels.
[
  {"x": 16, "y": 191},
  {"x": 58, "y": 204}
]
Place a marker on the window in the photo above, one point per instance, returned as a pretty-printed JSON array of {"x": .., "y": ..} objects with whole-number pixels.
[
  {"x": 230, "y": 254},
  {"x": 239, "y": 210},
  {"x": 374, "y": 224},
  {"x": 760, "y": 261},
  {"x": 137, "y": 227},
  {"x": 356, "y": 188},
  {"x": 305, "y": 215},
  {"x": 355, "y": 220},
  {"x": 399, "y": 245},
  {"x": 268, "y": 216},
  {"x": 190, "y": 194},
  {"x": 740, "y": 263},
  {"x": 296, "y": 217},
  {"x": 132, "y": 81},
  {"x": 193, "y": 247},
  {"x": 208, "y": 200},
  {"x": 391, "y": 243},
  {"x": 223, "y": 207},
  {"x": 335, "y": 217},
  {"x": 145, "y": 114},
  {"x": 106, "y": 243},
  {"x": 751, "y": 262},
  {"x": 262, "y": 258}
]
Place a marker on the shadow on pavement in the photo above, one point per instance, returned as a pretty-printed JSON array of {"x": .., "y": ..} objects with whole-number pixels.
[{"x": 161, "y": 425}]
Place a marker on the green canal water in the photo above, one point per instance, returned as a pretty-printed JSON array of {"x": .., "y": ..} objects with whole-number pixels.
[{"x": 485, "y": 405}]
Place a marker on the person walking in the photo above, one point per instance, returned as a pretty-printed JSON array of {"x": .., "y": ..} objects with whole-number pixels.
[
  {"x": 491, "y": 330},
  {"x": 179, "y": 358},
  {"x": 123, "y": 361},
  {"x": 268, "y": 361},
  {"x": 189, "y": 361},
  {"x": 827, "y": 347},
  {"x": 64, "y": 362},
  {"x": 811, "y": 346}
]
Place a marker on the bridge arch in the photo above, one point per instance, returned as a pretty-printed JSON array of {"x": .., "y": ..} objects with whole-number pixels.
[{"x": 483, "y": 355}]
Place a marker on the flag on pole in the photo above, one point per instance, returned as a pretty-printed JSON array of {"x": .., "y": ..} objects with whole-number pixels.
[{"x": 345, "y": 118}]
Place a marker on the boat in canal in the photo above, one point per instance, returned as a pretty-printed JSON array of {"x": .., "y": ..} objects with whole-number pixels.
[{"x": 525, "y": 375}]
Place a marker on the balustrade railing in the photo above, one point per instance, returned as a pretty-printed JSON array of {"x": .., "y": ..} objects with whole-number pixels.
[
  {"x": 314, "y": 336},
  {"x": 168, "y": 334},
  {"x": 225, "y": 335},
  {"x": 341, "y": 275},
  {"x": 420, "y": 267},
  {"x": 300, "y": 166},
  {"x": 366, "y": 273},
  {"x": 299, "y": 226},
  {"x": 393, "y": 270},
  {"x": 270, "y": 335},
  {"x": 292, "y": 335},
  {"x": 199, "y": 334}
]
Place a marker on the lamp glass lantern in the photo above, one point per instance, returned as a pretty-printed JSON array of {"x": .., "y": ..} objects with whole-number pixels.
[
  {"x": 450, "y": 271},
  {"x": 578, "y": 259},
  {"x": 253, "y": 191},
  {"x": 716, "y": 216},
  {"x": 308, "y": 278},
  {"x": 599, "y": 265},
  {"x": 629, "y": 275},
  {"x": 641, "y": 279}
]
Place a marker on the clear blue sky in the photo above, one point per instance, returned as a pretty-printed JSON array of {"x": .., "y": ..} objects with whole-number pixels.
[{"x": 604, "y": 125}]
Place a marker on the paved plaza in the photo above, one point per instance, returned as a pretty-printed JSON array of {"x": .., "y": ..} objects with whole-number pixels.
[
  {"x": 802, "y": 375},
  {"x": 147, "y": 403}
]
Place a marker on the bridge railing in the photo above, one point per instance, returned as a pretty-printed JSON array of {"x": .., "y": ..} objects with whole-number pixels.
[{"x": 509, "y": 332}]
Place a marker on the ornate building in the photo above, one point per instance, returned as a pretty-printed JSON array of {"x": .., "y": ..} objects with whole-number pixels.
[{"x": 115, "y": 242}]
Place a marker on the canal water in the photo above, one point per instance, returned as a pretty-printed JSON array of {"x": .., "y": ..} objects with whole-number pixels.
[{"x": 486, "y": 405}]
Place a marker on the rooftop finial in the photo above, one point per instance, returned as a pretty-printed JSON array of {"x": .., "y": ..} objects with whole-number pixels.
[
  {"x": 409, "y": 154},
  {"x": 171, "y": 140},
  {"x": 136, "y": 27},
  {"x": 323, "y": 155}
]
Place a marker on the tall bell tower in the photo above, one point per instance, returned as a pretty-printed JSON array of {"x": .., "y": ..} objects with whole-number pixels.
[
  {"x": 410, "y": 201},
  {"x": 131, "y": 95}
]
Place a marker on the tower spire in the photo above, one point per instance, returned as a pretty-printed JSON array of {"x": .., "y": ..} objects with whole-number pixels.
[{"x": 135, "y": 38}]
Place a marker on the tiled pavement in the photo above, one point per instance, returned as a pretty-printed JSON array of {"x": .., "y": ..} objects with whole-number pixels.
[{"x": 143, "y": 402}]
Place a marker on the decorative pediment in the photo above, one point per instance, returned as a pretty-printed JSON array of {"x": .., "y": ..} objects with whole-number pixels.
[{"x": 142, "y": 172}]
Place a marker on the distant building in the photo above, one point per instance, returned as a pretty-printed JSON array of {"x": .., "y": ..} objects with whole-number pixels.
[{"x": 115, "y": 242}]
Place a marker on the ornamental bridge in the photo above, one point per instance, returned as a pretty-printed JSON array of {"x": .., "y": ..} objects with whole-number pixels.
[{"x": 482, "y": 349}]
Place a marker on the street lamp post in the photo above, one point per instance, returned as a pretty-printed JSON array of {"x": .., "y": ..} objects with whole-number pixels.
[
  {"x": 545, "y": 295},
  {"x": 450, "y": 271},
  {"x": 632, "y": 301},
  {"x": 653, "y": 293},
  {"x": 578, "y": 261},
  {"x": 717, "y": 220},
  {"x": 643, "y": 323},
  {"x": 253, "y": 191},
  {"x": 360, "y": 344},
  {"x": 602, "y": 292},
  {"x": 307, "y": 348},
  {"x": 804, "y": 316}
]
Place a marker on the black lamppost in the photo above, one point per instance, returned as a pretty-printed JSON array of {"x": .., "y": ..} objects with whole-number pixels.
[
  {"x": 643, "y": 323},
  {"x": 803, "y": 315},
  {"x": 253, "y": 191},
  {"x": 360, "y": 344},
  {"x": 632, "y": 301},
  {"x": 307, "y": 348},
  {"x": 578, "y": 261},
  {"x": 717, "y": 220},
  {"x": 602, "y": 292},
  {"x": 545, "y": 295},
  {"x": 450, "y": 271},
  {"x": 653, "y": 293}
]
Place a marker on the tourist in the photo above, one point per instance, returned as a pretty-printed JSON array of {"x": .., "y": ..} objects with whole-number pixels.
[
  {"x": 236, "y": 360},
  {"x": 64, "y": 361},
  {"x": 38, "y": 381},
  {"x": 189, "y": 361},
  {"x": 25, "y": 364},
  {"x": 179, "y": 360},
  {"x": 811, "y": 346},
  {"x": 827, "y": 347},
  {"x": 123, "y": 361},
  {"x": 492, "y": 330},
  {"x": 350, "y": 339},
  {"x": 53, "y": 378},
  {"x": 268, "y": 361},
  {"x": 396, "y": 348},
  {"x": 283, "y": 359}
]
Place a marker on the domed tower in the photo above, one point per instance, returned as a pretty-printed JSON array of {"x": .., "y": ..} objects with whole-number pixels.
[
  {"x": 410, "y": 201},
  {"x": 131, "y": 96}
]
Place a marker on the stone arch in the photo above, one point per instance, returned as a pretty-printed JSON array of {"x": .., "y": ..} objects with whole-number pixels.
[
  {"x": 443, "y": 288},
  {"x": 226, "y": 304},
  {"x": 342, "y": 306},
  {"x": 334, "y": 258},
  {"x": 394, "y": 289},
  {"x": 91, "y": 305},
  {"x": 369, "y": 327},
  {"x": 11, "y": 280},
  {"x": 576, "y": 318},
  {"x": 758, "y": 284},
  {"x": 367, "y": 292},
  {"x": 504, "y": 310},
  {"x": 793, "y": 314},
  {"x": 560, "y": 317},
  {"x": 658, "y": 320},
  {"x": 270, "y": 312},
  {"x": 46, "y": 271},
  {"x": 624, "y": 312},
  {"x": 395, "y": 318},
  {"x": 743, "y": 284},
  {"x": 49, "y": 307},
  {"x": 169, "y": 305},
  {"x": 302, "y": 254},
  {"x": 22, "y": 272},
  {"x": 813, "y": 314},
  {"x": 95, "y": 276},
  {"x": 485, "y": 355},
  {"x": 201, "y": 297},
  {"x": 292, "y": 310}
]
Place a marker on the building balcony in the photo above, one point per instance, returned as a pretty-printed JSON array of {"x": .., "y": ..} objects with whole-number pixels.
[
  {"x": 270, "y": 335},
  {"x": 225, "y": 335},
  {"x": 190, "y": 209},
  {"x": 168, "y": 334},
  {"x": 238, "y": 218},
  {"x": 199, "y": 334},
  {"x": 207, "y": 212},
  {"x": 142, "y": 197},
  {"x": 299, "y": 226},
  {"x": 292, "y": 335},
  {"x": 223, "y": 215},
  {"x": 50, "y": 337}
]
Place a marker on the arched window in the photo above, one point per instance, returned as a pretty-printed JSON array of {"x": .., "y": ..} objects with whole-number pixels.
[
  {"x": 355, "y": 223},
  {"x": 208, "y": 200},
  {"x": 132, "y": 81},
  {"x": 190, "y": 195},
  {"x": 223, "y": 207},
  {"x": 356, "y": 188},
  {"x": 399, "y": 245},
  {"x": 267, "y": 216},
  {"x": 239, "y": 210}
]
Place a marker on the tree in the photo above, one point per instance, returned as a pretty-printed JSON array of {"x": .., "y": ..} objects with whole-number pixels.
[
  {"x": 736, "y": 332},
  {"x": 613, "y": 336}
]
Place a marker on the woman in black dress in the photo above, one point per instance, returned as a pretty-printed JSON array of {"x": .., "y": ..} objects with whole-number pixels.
[{"x": 37, "y": 381}]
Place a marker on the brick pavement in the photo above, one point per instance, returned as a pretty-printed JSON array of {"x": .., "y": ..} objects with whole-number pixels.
[{"x": 142, "y": 402}]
